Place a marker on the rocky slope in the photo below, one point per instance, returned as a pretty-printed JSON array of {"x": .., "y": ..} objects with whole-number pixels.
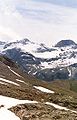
[{"x": 54, "y": 100}]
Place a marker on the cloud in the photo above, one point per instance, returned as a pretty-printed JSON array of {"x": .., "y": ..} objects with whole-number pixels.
[
  {"x": 66, "y": 3},
  {"x": 36, "y": 20}
]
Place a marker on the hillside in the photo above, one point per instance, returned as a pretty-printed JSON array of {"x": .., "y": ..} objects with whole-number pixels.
[{"x": 35, "y": 99}]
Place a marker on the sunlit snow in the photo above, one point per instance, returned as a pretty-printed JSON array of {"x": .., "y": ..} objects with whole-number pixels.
[
  {"x": 60, "y": 107},
  {"x": 3, "y": 83},
  {"x": 43, "y": 89},
  {"x": 7, "y": 103},
  {"x": 20, "y": 81},
  {"x": 7, "y": 115},
  {"x": 14, "y": 72},
  {"x": 8, "y": 81}
]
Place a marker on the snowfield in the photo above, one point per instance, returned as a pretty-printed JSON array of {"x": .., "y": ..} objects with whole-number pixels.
[
  {"x": 7, "y": 103},
  {"x": 43, "y": 89},
  {"x": 7, "y": 115}
]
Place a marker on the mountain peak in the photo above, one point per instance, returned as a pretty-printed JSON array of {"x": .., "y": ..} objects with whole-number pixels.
[
  {"x": 64, "y": 43},
  {"x": 2, "y": 43},
  {"x": 24, "y": 41}
]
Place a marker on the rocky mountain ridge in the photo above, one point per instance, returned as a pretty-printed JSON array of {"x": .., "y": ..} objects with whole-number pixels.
[{"x": 58, "y": 62}]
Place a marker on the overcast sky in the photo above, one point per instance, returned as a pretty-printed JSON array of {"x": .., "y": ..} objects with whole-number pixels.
[{"x": 46, "y": 21}]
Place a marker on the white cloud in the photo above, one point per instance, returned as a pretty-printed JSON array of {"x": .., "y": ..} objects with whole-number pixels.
[{"x": 41, "y": 22}]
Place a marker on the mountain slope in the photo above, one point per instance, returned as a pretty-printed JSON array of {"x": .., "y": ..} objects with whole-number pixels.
[{"x": 50, "y": 98}]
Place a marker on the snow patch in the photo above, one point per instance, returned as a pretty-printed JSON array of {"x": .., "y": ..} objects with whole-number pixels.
[
  {"x": 69, "y": 72},
  {"x": 57, "y": 106},
  {"x": 8, "y": 81},
  {"x": 34, "y": 73},
  {"x": 29, "y": 72},
  {"x": 20, "y": 80},
  {"x": 8, "y": 102},
  {"x": 43, "y": 89},
  {"x": 60, "y": 107},
  {"x": 3, "y": 83},
  {"x": 14, "y": 72}
]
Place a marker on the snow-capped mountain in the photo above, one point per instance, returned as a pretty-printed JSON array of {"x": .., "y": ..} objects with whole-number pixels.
[{"x": 58, "y": 62}]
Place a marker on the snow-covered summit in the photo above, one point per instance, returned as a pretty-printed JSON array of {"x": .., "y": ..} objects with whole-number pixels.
[{"x": 27, "y": 46}]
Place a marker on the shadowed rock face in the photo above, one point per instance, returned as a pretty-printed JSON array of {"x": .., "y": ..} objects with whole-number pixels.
[{"x": 64, "y": 43}]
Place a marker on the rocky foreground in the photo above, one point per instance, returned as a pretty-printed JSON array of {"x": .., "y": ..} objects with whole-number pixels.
[{"x": 42, "y": 112}]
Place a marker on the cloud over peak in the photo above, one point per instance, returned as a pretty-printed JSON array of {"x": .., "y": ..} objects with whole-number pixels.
[{"x": 38, "y": 20}]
